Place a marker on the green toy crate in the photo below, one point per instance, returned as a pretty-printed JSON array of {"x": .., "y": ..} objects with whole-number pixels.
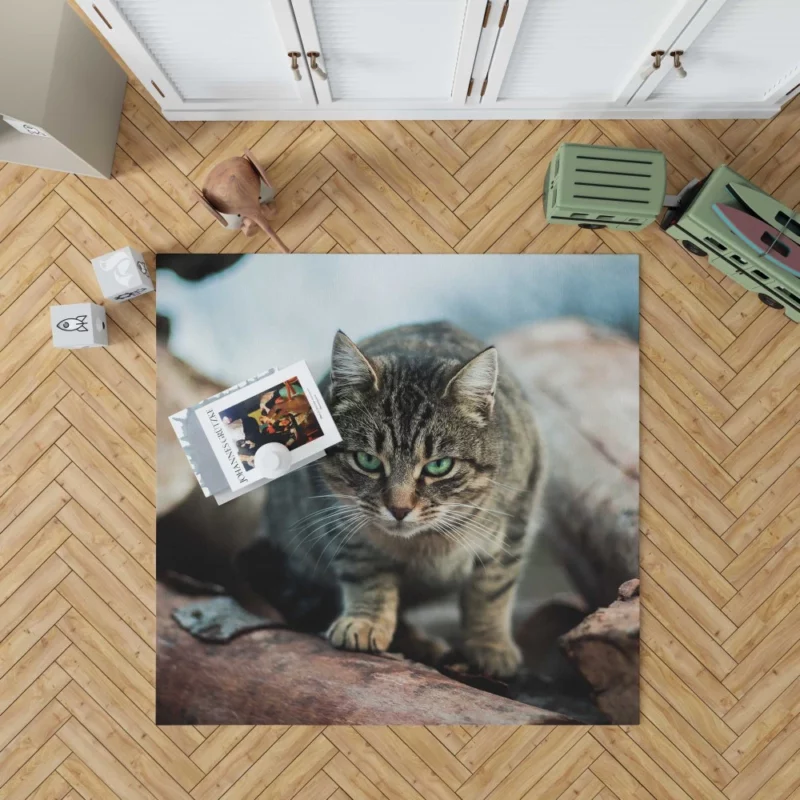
[
  {"x": 695, "y": 224},
  {"x": 605, "y": 187}
]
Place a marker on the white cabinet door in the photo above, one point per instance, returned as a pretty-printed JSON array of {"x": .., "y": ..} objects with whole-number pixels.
[
  {"x": 207, "y": 55},
  {"x": 572, "y": 54},
  {"x": 734, "y": 51},
  {"x": 391, "y": 54}
]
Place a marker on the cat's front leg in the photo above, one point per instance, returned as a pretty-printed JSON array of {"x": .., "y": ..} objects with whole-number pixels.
[
  {"x": 369, "y": 613},
  {"x": 486, "y": 605}
]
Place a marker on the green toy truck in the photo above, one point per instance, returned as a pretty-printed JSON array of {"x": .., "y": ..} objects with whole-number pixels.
[
  {"x": 592, "y": 186},
  {"x": 605, "y": 187},
  {"x": 695, "y": 224}
]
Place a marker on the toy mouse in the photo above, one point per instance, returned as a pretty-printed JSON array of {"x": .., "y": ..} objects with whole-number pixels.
[{"x": 234, "y": 194}]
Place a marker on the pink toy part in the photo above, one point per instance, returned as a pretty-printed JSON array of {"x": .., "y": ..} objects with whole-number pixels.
[
  {"x": 769, "y": 209},
  {"x": 764, "y": 239}
]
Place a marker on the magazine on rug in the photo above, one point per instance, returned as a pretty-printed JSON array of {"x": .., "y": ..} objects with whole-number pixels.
[{"x": 283, "y": 407}]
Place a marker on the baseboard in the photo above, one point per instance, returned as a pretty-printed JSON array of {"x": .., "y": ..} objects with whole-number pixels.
[{"x": 733, "y": 111}]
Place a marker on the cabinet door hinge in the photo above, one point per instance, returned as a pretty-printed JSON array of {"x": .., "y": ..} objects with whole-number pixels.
[
  {"x": 483, "y": 88},
  {"x": 487, "y": 12},
  {"x": 469, "y": 88},
  {"x": 503, "y": 15}
]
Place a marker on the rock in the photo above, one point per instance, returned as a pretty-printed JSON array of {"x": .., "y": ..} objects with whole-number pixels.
[
  {"x": 539, "y": 633},
  {"x": 282, "y": 677},
  {"x": 583, "y": 384},
  {"x": 604, "y": 648},
  {"x": 629, "y": 589}
]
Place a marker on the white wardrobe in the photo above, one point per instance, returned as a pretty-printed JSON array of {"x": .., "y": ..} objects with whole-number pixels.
[{"x": 360, "y": 59}]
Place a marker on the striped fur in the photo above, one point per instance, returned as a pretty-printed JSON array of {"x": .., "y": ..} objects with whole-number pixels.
[{"x": 412, "y": 395}]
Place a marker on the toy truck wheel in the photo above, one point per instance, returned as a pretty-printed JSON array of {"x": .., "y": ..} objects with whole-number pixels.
[
  {"x": 769, "y": 301},
  {"x": 592, "y": 226},
  {"x": 693, "y": 248}
]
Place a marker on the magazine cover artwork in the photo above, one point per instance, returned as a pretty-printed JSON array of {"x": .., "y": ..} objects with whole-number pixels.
[{"x": 284, "y": 407}]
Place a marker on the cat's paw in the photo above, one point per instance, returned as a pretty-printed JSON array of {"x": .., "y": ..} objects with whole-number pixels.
[
  {"x": 500, "y": 659},
  {"x": 360, "y": 633},
  {"x": 419, "y": 646}
]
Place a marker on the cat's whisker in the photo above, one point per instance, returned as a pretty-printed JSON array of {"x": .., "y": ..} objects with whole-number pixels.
[
  {"x": 317, "y": 496},
  {"x": 353, "y": 501},
  {"x": 316, "y": 524},
  {"x": 333, "y": 531},
  {"x": 334, "y": 520},
  {"x": 457, "y": 537},
  {"x": 439, "y": 528},
  {"x": 311, "y": 540},
  {"x": 505, "y": 486},
  {"x": 349, "y": 526},
  {"x": 349, "y": 537},
  {"x": 335, "y": 507},
  {"x": 484, "y": 533},
  {"x": 320, "y": 512},
  {"x": 494, "y": 540},
  {"x": 479, "y": 543},
  {"x": 479, "y": 508}
]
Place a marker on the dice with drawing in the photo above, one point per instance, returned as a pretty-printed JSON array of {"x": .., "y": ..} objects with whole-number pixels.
[
  {"x": 122, "y": 274},
  {"x": 78, "y": 325}
]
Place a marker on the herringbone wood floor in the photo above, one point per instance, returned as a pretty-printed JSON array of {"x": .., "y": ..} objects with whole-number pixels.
[{"x": 720, "y": 464}]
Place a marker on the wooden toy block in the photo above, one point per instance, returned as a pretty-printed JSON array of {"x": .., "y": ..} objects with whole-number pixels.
[
  {"x": 78, "y": 325},
  {"x": 122, "y": 274}
]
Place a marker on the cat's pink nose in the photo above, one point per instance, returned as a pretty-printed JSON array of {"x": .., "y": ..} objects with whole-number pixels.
[{"x": 400, "y": 512}]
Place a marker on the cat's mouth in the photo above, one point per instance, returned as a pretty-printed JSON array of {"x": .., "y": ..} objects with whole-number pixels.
[
  {"x": 414, "y": 524},
  {"x": 401, "y": 528},
  {"x": 397, "y": 530}
]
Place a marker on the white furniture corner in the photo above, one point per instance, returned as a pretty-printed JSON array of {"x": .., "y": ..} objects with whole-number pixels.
[
  {"x": 57, "y": 77},
  {"x": 468, "y": 59}
]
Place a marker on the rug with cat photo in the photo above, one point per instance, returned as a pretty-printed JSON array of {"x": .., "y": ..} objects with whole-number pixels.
[{"x": 467, "y": 554}]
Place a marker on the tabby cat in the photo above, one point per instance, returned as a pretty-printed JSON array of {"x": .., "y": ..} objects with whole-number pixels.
[{"x": 432, "y": 490}]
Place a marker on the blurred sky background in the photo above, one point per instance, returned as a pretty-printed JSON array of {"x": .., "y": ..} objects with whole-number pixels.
[{"x": 270, "y": 311}]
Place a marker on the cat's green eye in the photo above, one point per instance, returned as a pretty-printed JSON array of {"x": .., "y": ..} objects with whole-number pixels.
[
  {"x": 367, "y": 461},
  {"x": 438, "y": 468}
]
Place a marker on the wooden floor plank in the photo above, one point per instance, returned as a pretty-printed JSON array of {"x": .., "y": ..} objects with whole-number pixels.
[
  {"x": 30, "y": 267},
  {"x": 429, "y": 171},
  {"x": 31, "y": 629},
  {"x": 106, "y": 658},
  {"x": 380, "y": 158},
  {"x": 384, "y": 198},
  {"x": 437, "y": 143},
  {"x": 512, "y": 170},
  {"x": 159, "y": 131}
]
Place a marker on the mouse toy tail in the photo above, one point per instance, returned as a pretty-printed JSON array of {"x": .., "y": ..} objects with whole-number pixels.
[{"x": 262, "y": 223}]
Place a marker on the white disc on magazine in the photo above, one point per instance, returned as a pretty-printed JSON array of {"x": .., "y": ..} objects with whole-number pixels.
[{"x": 273, "y": 460}]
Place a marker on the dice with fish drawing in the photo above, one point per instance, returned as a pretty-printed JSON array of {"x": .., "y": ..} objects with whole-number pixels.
[
  {"x": 78, "y": 325},
  {"x": 122, "y": 274}
]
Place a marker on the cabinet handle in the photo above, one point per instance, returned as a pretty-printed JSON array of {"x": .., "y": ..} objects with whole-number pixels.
[
  {"x": 658, "y": 56},
  {"x": 676, "y": 58},
  {"x": 102, "y": 17},
  {"x": 503, "y": 14},
  {"x": 295, "y": 66},
  {"x": 313, "y": 56}
]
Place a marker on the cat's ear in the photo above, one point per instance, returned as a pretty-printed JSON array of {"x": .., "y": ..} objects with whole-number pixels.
[
  {"x": 350, "y": 368},
  {"x": 474, "y": 385}
]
